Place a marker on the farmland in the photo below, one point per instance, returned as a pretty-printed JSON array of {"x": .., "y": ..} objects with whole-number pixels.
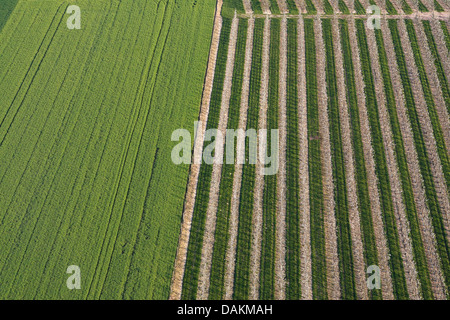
[
  {"x": 362, "y": 181},
  {"x": 86, "y": 115},
  {"x": 343, "y": 131}
]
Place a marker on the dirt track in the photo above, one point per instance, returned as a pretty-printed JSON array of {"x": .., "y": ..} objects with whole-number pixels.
[
  {"x": 305, "y": 221},
  {"x": 332, "y": 258}
]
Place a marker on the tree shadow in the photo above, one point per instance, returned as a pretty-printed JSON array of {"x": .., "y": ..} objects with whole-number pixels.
[{"x": 6, "y": 8}]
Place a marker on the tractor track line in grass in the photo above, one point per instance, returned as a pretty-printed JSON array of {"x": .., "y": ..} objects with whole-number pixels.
[
  {"x": 354, "y": 213},
  {"x": 393, "y": 171},
  {"x": 382, "y": 248},
  {"x": 444, "y": 53},
  {"x": 283, "y": 6},
  {"x": 426, "y": 229},
  {"x": 435, "y": 84},
  {"x": 265, "y": 6},
  {"x": 210, "y": 224},
  {"x": 257, "y": 220},
  {"x": 301, "y": 6},
  {"x": 305, "y": 218},
  {"x": 33, "y": 76},
  {"x": 332, "y": 258},
  {"x": 147, "y": 83},
  {"x": 237, "y": 177},
  {"x": 180, "y": 260},
  {"x": 280, "y": 234},
  {"x": 425, "y": 123}
]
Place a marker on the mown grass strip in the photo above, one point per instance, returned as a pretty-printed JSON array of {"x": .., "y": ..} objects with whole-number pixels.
[
  {"x": 390, "y": 8},
  {"x": 292, "y": 7},
  {"x": 370, "y": 249},
  {"x": 293, "y": 163},
  {"x": 270, "y": 181},
  {"x": 242, "y": 276},
  {"x": 406, "y": 8},
  {"x": 310, "y": 8},
  {"x": 430, "y": 191},
  {"x": 432, "y": 111},
  {"x": 319, "y": 268},
  {"x": 343, "y": 7},
  {"x": 274, "y": 7},
  {"x": 202, "y": 198},
  {"x": 408, "y": 196},
  {"x": 217, "y": 288},
  {"x": 395, "y": 261},
  {"x": 446, "y": 34},
  {"x": 327, "y": 7},
  {"x": 340, "y": 187},
  {"x": 256, "y": 6}
]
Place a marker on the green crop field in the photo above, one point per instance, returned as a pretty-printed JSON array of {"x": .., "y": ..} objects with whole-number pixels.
[{"x": 354, "y": 120}]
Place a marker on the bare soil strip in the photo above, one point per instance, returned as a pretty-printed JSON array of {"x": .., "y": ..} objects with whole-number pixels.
[
  {"x": 247, "y": 6},
  {"x": 265, "y": 6},
  {"x": 398, "y": 6},
  {"x": 283, "y": 6},
  {"x": 211, "y": 212},
  {"x": 445, "y": 4},
  {"x": 381, "y": 4},
  {"x": 257, "y": 221},
  {"x": 280, "y": 234},
  {"x": 305, "y": 218},
  {"x": 426, "y": 229},
  {"x": 393, "y": 171},
  {"x": 180, "y": 260},
  {"x": 300, "y": 6},
  {"x": 332, "y": 258},
  {"x": 425, "y": 123},
  {"x": 444, "y": 54},
  {"x": 319, "y": 6},
  {"x": 380, "y": 237},
  {"x": 413, "y": 4},
  {"x": 354, "y": 214},
  {"x": 237, "y": 177},
  {"x": 335, "y": 5},
  {"x": 435, "y": 85}
]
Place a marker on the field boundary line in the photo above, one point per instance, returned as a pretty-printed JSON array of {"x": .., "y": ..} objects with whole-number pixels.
[
  {"x": 211, "y": 213},
  {"x": 332, "y": 258},
  {"x": 393, "y": 172},
  {"x": 237, "y": 178},
  {"x": 305, "y": 211},
  {"x": 280, "y": 233},
  {"x": 257, "y": 219},
  {"x": 426, "y": 229},
  {"x": 188, "y": 210},
  {"x": 349, "y": 158},
  {"x": 372, "y": 181}
]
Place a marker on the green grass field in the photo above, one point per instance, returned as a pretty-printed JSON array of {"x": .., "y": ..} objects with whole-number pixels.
[{"x": 86, "y": 118}]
